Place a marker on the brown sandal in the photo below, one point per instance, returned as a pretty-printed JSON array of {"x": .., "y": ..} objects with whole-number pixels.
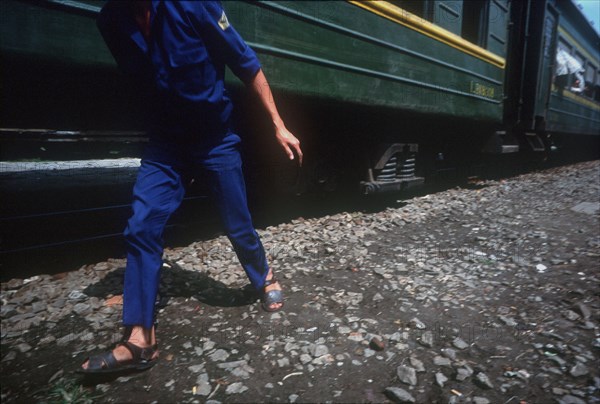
[
  {"x": 271, "y": 297},
  {"x": 141, "y": 359}
]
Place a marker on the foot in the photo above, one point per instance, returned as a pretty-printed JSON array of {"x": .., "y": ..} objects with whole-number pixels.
[
  {"x": 139, "y": 337},
  {"x": 273, "y": 306}
]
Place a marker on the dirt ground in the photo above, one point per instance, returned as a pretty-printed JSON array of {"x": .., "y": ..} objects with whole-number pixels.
[{"x": 489, "y": 294}]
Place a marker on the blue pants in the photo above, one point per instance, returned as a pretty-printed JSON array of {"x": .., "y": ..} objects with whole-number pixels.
[{"x": 158, "y": 192}]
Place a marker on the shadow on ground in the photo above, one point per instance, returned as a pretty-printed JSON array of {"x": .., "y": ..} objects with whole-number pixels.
[{"x": 177, "y": 282}]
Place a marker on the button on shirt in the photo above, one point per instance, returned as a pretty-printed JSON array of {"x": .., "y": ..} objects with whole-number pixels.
[{"x": 183, "y": 61}]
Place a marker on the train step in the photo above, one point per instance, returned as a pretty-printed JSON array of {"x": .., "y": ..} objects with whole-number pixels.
[
  {"x": 535, "y": 142},
  {"x": 500, "y": 143}
]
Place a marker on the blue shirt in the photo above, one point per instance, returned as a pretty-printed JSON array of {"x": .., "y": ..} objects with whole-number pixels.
[{"x": 183, "y": 62}]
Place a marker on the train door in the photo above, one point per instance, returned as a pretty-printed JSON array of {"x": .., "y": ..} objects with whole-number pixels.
[{"x": 546, "y": 68}]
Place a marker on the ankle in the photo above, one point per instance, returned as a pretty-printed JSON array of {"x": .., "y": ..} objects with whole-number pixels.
[{"x": 141, "y": 336}]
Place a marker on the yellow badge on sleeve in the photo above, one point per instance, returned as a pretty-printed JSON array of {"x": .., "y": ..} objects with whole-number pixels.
[{"x": 223, "y": 22}]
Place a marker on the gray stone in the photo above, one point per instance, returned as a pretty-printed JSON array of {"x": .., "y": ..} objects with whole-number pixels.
[
  {"x": 480, "y": 400},
  {"x": 283, "y": 362},
  {"x": 82, "y": 308},
  {"x": 483, "y": 381},
  {"x": 449, "y": 353},
  {"x": 203, "y": 387},
  {"x": 558, "y": 360},
  {"x": 235, "y": 388},
  {"x": 196, "y": 368},
  {"x": 317, "y": 350},
  {"x": 23, "y": 347},
  {"x": 570, "y": 315},
  {"x": 583, "y": 310},
  {"x": 242, "y": 372},
  {"x": 417, "y": 364},
  {"x": 589, "y": 208},
  {"x": 558, "y": 391},
  {"x": 14, "y": 284},
  {"x": 441, "y": 361},
  {"x": 368, "y": 353},
  {"x": 77, "y": 295},
  {"x": 407, "y": 375},
  {"x": 509, "y": 321},
  {"x": 578, "y": 393},
  {"x": 11, "y": 355},
  {"x": 570, "y": 399},
  {"x": 440, "y": 379},
  {"x": 323, "y": 360},
  {"x": 426, "y": 339},
  {"x": 232, "y": 365},
  {"x": 459, "y": 343},
  {"x": 463, "y": 373},
  {"x": 37, "y": 307},
  {"x": 293, "y": 397},
  {"x": 305, "y": 358},
  {"x": 399, "y": 395},
  {"x": 219, "y": 355},
  {"x": 291, "y": 347},
  {"x": 378, "y": 297},
  {"x": 579, "y": 370},
  {"x": 416, "y": 323}
]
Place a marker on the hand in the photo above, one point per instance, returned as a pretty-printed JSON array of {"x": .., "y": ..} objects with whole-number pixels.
[{"x": 289, "y": 142}]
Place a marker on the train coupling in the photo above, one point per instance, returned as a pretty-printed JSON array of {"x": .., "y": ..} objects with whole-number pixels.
[{"x": 392, "y": 170}]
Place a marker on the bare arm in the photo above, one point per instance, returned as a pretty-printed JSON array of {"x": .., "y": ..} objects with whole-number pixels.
[{"x": 260, "y": 86}]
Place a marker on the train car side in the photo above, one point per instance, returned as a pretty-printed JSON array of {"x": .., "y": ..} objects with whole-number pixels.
[
  {"x": 574, "y": 105},
  {"x": 386, "y": 79}
]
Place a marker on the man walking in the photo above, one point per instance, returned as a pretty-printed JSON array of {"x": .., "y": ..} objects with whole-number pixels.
[{"x": 177, "y": 53}]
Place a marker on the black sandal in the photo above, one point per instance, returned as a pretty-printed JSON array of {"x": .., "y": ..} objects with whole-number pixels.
[
  {"x": 271, "y": 297},
  {"x": 141, "y": 359}
]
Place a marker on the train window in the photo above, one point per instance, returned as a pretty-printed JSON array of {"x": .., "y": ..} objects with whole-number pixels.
[
  {"x": 448, "y": 14},
  {"x": 590, "y": 72},
  {"x": 475, "y": 21},
  {"x": 597, "y": 87},
  {"x": 420, "y": 8},
  {"x": 563, "y": 45},
  {"x": 577, "y": 79}
]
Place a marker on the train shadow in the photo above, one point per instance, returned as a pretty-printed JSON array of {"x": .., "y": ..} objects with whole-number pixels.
[{"x": 177, "y": 282}]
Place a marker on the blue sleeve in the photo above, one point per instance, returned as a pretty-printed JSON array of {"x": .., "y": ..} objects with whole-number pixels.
[{"x": 224, "y": 41}]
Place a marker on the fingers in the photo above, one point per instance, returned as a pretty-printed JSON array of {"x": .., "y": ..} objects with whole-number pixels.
[
  {"x": 288, "y": 151},
  {"x": 290, "y": 145},
  {"x": 299, "y": 153},
  {"x": 295, "y": 145}
]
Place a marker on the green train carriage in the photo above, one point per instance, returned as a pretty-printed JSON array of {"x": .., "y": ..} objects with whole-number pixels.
[
  {"x": 366, "y": 85},
  {"x": 542, "y": 103}
]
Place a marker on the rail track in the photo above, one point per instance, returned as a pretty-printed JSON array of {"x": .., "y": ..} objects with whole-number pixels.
[{"x": 54, "y": 220}]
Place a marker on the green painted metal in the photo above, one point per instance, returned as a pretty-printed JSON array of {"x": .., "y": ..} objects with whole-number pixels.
[
  {"x": 337, "y": 50},
  {"x": 328, "y": 50},
  {"x": 63, "y": 31},
  {"x": 497, "y": 23},
  {"x": 569, "y": 116},
  {"x": 448, "y": 15},
  {"x": 567, "y": 113}
]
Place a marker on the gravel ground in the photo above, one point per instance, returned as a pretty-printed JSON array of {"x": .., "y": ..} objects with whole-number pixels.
[{"x": 483, "y": 295}]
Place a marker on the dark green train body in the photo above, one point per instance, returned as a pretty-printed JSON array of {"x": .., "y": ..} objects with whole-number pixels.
[{"x": 372, "y": 82}]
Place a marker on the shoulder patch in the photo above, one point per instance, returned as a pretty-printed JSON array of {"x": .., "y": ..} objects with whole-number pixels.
[{"x": 223, "y": 22}]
